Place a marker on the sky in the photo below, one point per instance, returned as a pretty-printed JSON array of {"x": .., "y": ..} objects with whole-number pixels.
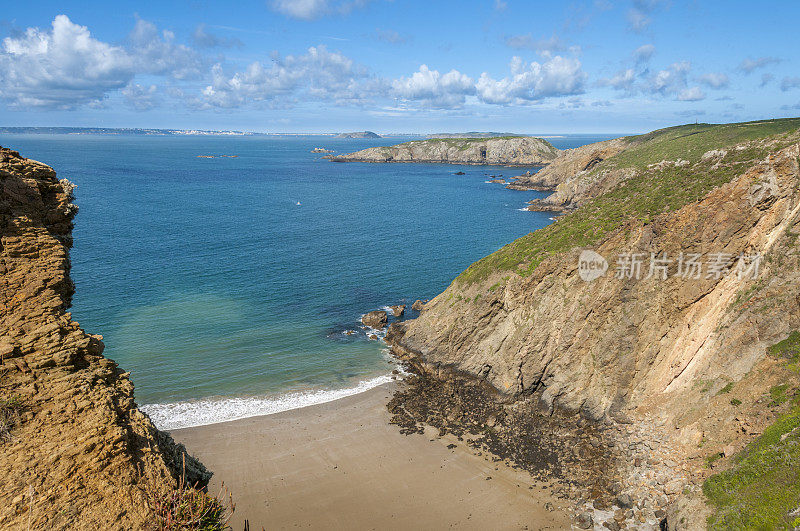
[{"x": 398, "y": 66}]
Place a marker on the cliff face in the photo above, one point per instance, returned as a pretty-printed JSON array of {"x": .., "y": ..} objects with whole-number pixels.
[
  {"x": 651, "y": 356},
  {"x": 607, "y": 346},
  {"x": 515, "y": 151},
  {"x": 569, "y": 164},
  {"x": 524, "y": 320},
  {"x": 81, "y": 455}
]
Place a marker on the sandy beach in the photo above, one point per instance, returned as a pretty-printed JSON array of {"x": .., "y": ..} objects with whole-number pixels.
[{"x": 341, "y": 465}]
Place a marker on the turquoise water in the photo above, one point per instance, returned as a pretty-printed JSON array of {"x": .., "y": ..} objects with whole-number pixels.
[{"x": 226, "y": 285}]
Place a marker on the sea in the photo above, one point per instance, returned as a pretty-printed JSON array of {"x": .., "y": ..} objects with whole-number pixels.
[{"x": 233, "y": 286}]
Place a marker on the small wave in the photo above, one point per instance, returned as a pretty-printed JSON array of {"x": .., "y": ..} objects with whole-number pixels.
[
  {"x": 380, "y": 333},
  {"x": 215, "y": 410},
  {"x": 523, "y": 209}
]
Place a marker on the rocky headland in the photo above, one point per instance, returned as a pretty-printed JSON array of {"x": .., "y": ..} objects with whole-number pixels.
[
  {"x": 505, "y": 151},
  {"x": 360, "y": 134},
  {"x": 75, "y": 450},
  {"x": 669, "y": 385}
]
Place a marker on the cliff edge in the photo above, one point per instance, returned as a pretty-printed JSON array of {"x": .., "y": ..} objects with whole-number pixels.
[
  {"x": 676, "y": 361},
  {"x": 75, "y": 450},
  {"x": 507, "y": 151}
]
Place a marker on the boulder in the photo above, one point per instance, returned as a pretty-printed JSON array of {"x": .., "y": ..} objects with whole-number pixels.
[
  {"x": 398, "y": 310},
  {"x": 418, "y": 305},
  {"x": 376, "y": 319}
]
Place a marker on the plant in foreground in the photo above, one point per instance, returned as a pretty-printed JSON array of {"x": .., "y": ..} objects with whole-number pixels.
[{"x": 188, "y": 508}]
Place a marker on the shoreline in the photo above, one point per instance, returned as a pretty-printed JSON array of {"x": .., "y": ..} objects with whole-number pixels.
[
  {"x": 342, "y": 465},
  {"x": 211, "y": 411}
]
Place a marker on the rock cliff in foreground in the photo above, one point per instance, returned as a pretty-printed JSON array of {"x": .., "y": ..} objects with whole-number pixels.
[
  {"x": 79, "y": 454},
  {"x": 508, "y": 151},
  {"x": 679, "y": 363}
]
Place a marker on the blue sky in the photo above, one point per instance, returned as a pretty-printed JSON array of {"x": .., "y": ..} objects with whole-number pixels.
[{"x": 599, "y": 66}]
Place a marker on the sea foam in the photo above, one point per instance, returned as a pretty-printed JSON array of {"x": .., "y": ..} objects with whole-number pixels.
[{"x": 215, "y": 410}]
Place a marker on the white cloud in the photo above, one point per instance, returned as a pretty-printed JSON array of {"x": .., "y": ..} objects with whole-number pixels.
[
  {"x": 637, "y": 20},
  {"x": 157, "y": 53},
  {"x": 304, "y": 9},
  {"x": 643, "y": 53},
  {"x": 311, "y": 9},
  {"x": 622, "y": 80},
  {"x": 691, "y": 94},
  {"x": 433, "y": 89},
  {"x": 748, "y": 65},
  {"x": 639, "y": 16},
  {"x": 789, "y": 83},
  {"x": 390, "y": 36},
  {"x": 500, "y": 5},
  {"x": 61, "y": 68},
  {"x": 715, "y": 80},
  {"x": 544, "y": 46},
  {"x": 205, "y": 39},
  {"x": 139, "y": 97},
  {"x": 318, "y": 74},
  {"x": 533, "y": 81},
  {"x": 670, "y": 80}
]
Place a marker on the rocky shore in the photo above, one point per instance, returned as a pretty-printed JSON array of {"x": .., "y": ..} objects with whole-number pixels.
[{"x": 507, "y": 151}]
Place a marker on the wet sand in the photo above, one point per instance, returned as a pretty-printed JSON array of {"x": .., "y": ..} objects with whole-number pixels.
[{"x": 341, "y": 465}]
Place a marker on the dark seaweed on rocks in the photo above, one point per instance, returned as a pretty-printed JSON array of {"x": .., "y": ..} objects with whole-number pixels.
[{"x": 566, "y": 449}]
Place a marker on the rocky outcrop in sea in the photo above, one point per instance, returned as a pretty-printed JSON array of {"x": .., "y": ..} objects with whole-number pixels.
[{"x": 510, "y": 151}]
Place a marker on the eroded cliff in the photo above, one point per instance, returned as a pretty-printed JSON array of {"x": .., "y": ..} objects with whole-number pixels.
[
  {"x": 509, "y": 151},
  {"x": 78, "y": 453},
  {"x": 650, "y": 350}
]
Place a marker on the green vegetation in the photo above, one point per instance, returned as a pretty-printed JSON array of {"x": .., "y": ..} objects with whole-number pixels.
[
  {"x": 736, "y": 402},
  {"x": 764, "y": 484},
  {"x": 778, "y": 394},
  {"x": 713, "y": 458},
  {"x": 726, "y": 389},
  {"x": 190, "y": 509},
  {"x": 690, "y": 142},
  {"x": 649, "y": 193},
  {"x": 762, "y": 488},
  {"x": 788, "y": 349}
]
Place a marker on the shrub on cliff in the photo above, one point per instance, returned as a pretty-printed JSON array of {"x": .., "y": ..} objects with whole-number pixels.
[{"x": 190, "y": 509}]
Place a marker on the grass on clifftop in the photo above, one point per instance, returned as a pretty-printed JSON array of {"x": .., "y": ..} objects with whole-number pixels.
[
  {"x": 690, "y": 142},
  {"x": 464, "y": 143},
  {"x": 762, "y": 489},
  {"x": 645, "y": 195}
]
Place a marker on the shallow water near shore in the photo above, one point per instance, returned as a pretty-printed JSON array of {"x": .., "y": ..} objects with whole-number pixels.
[{"x": 226, "y": 285}]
